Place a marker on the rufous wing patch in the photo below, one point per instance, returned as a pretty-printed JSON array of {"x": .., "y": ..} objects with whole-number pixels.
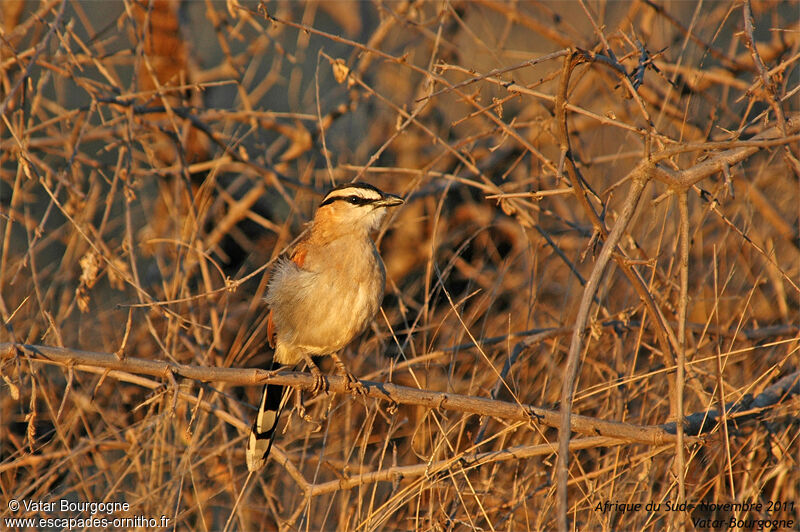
[{"x": 299, "y": 256}]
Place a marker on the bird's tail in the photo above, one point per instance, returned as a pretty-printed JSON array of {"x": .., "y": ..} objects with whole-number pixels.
[{"x": 265, "y": 424}]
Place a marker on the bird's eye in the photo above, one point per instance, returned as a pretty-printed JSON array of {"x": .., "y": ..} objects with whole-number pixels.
[{"x": 354, "y": 200}]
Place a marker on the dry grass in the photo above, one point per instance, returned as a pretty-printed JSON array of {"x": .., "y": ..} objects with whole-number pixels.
[{"x": 155, "y": 161}]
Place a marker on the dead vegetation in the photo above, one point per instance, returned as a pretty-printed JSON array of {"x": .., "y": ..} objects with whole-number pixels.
[{"x": 604, "y": 191}]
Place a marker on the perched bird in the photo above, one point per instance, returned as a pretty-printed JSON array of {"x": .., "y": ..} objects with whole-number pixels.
[{"x": 322, "y": 296}]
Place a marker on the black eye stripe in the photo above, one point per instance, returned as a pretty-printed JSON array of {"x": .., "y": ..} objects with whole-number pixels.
[{"x": 353, "y": 200}]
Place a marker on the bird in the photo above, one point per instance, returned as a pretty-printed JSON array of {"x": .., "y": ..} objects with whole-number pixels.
[{"x": 321, "y": 297}]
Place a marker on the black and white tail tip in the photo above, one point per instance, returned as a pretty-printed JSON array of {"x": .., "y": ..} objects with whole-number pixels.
[{"x": 262, "y": 433}]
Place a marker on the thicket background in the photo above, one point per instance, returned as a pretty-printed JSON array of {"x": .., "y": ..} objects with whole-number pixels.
[{"x": 157, "y": 156}]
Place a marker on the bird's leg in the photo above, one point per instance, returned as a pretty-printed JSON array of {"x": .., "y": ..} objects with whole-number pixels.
[
  {"x": 303, "y": 414},
  {"x": 300, "y": 407},
  {"x": 319, "y": 380},
  {"x": 353, "y": 384}
]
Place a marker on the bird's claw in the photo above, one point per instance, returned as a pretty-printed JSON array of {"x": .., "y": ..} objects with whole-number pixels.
[
  {"x": 320, "y": 384},
  {"x": 354, "y": 385}
]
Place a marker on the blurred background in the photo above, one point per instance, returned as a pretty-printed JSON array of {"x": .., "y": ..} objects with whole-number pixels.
[{"x": 157, "y": 156}]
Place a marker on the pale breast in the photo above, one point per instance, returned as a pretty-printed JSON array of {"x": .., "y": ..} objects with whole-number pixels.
[{"x": 322, "y": 306}]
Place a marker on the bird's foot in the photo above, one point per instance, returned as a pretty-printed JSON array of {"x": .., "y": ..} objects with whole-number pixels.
[
  {"x": 353, "y": 385},
  {"x": 320, "y": 384}
]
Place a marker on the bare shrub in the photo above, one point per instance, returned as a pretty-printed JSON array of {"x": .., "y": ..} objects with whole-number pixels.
[{"x": 157, "y": 157}]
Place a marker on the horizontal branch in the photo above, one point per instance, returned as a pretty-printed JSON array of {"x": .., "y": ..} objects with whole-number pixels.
[
  {"x": 719, "y": 161},
  {"x": 393, "y": 393},
  {"x": 743, "y": 409},
  {"x": 696, "y": 423}
]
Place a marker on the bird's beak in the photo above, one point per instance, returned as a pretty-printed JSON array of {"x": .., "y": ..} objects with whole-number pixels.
[{"x": 390, "y": 200}]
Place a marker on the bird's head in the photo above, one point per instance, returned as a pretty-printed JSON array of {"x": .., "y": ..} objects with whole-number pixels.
[{"x": 356, "y": 207}]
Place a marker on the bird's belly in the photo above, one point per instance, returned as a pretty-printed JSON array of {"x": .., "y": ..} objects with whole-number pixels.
[
  {"x": 338, "y": 320},
  {"x": 328, "y": 320}
]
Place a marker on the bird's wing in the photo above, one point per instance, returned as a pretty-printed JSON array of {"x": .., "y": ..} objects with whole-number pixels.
[{"x": 298, "y": 256}]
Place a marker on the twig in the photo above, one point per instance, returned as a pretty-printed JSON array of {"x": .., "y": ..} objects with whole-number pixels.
[
  {"x": 467, "y": 461},
  {"x": 680, "y": 374},
  {"x": 32, "y": 63}
]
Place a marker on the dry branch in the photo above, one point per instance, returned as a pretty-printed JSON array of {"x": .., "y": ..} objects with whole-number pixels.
[
  {"x": 744, "y": 409},
  {"x": 392, "y": 393}
]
